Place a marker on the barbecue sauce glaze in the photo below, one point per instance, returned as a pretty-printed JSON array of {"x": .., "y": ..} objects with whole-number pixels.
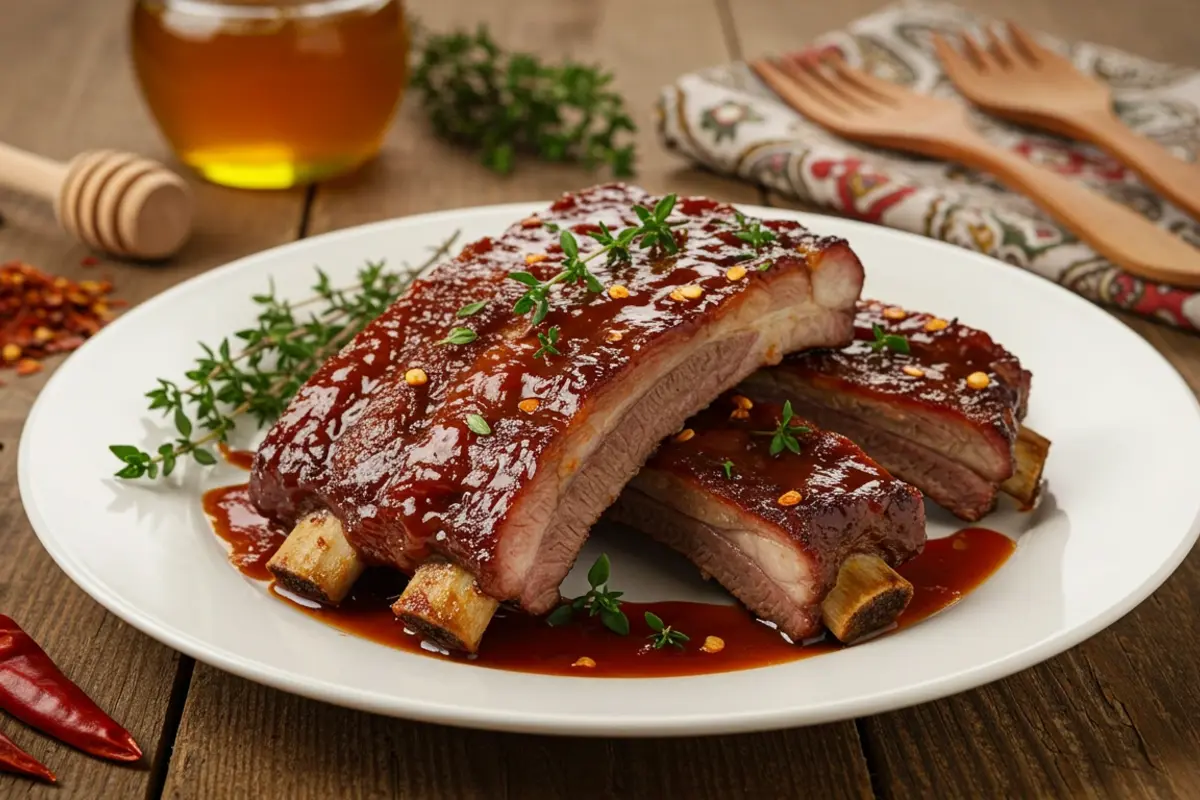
[
  {"x": 725, "y": 452},
  {"x": 379, "y": 451},
  {"x": 947, "y": 570},
  {"x": 943, "y": 358}
]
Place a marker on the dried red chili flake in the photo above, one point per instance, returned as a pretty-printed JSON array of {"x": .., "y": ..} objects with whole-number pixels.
[
  {"x": 43, "y": 314},
  {"x": 27, "y": 366},
  {"x": 89, "y": 261}
]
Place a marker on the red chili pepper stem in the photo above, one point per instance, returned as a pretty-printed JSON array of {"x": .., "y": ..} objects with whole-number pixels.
[
  {"x": 15, "y": 760},
  {"x": 36, "y": 692}
]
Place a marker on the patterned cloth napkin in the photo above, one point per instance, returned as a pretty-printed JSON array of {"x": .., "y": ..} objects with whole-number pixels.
[{"x": 727, "y": 120}]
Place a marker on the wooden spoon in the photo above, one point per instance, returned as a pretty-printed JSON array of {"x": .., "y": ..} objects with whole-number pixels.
[{"x": 120, "y": 203}]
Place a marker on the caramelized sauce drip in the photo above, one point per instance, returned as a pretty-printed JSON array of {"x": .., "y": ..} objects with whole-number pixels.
[
  {"x": 943, "y": 574},
  {"x": 251, "y": 537},
  {"x": 243, "y": 459}
]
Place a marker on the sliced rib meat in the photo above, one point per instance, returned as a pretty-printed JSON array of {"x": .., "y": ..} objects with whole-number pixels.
[
  {"x": 928, "y": 425},
  {"x": 717, "y": 495},
  {"x": 408, "y": 478}
]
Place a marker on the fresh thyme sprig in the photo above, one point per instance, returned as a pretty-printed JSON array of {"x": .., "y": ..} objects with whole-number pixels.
[
  {"x": 548, "y": 340},
  {"x": 599, "y": 600},
  {"x": 752, "y": 232},
  {"x": 618, "y": 246},
  {"x": 654, "y": 231},
  {"x": 892, "y": 341},
  {"x": 784, "y": 436},
  {"x": 275, "y": 360},
  {"x": 508, "y": 103},
  {"x": 664, "y": 634}
]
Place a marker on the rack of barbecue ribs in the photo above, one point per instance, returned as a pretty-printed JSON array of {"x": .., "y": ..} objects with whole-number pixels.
[
  {"x": 805, "y": 532},
  {"x": 937, "y": 403},
  {"x": 476, "y": 463}
]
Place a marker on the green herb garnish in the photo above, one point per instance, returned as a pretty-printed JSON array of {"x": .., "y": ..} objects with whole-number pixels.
[
  {"x": 471, "y": 308},
  {"x": 478, "y": 425},
  {"x": 598, "y": 601},
  {"x": 618, "y": 246},
  {"x": 275, "y": 360},
  {"x": 664, "y": 634},
  {"x": 654, "y": 231},
  {"x": 766, "y": 265},
  {"x": 752, "y": 232},
  {"x": 727, "y": 465},
  {"x": 892, "y": 341},
  {"x": 503, "y": 104},
  {"x": 784, "y": 436},
  {"x": 548, "y": 340},
  {"x": 460, "y": 336}
]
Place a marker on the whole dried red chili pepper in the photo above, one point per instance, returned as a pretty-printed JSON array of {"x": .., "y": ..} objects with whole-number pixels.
[
  {"x": 36, "y": 692},
  {"x": 14, "y": 759}
]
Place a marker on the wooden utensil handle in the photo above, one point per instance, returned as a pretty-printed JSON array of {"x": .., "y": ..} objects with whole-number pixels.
[
  {"x": 1174, "y": 178},
  {"x": 29, "y": 173},
  {"x": 1118, "y": 233}
]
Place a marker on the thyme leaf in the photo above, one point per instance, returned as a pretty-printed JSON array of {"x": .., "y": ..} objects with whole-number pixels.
[
  {"x": 784, "y": 436},
  {"x": 259, "y": 378},
  {"x": 752, "y": 232},
  {"x": 478, "y": 425},
  {"x": 892, "y": 341},
  {"x": 599, "y": 601},
  {"x": 664, "y": 635}
]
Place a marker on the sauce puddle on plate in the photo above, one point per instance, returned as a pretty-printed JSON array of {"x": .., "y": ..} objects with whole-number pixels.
[{"x": 946, "y": 571}]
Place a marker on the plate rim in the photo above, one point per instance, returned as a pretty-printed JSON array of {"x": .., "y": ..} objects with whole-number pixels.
[{"x": 541, "y": 722}]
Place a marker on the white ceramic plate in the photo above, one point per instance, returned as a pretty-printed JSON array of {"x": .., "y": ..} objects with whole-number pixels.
[{"x": 1121, "y": 513}]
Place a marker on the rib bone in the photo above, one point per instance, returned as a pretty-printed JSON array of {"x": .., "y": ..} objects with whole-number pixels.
[
  {"x": 316, "y": 561},
  {"x": 868, "y": 596},
  {"x": 442, "y": 603},
  {"x": 1030, "y": 451}
]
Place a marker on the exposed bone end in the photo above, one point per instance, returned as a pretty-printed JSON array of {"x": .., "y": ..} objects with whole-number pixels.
[
  {"x": 443, "y": 604},
  {"x": 1030, "y": 451},
  {"x": 868, "y": 596},
  {"x": 316, "y": 561}
]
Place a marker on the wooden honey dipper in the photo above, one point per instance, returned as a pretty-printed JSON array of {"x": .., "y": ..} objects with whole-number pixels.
[{"x": 120, "y": 203}]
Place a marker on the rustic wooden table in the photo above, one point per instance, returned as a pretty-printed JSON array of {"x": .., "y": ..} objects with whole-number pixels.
[{"x": 1116, "y": 716}]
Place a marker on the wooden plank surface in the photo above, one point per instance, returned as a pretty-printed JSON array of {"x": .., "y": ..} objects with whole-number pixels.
[
  {"x": 1116, "y": 716},
  {"x": 67, "y": 86}
]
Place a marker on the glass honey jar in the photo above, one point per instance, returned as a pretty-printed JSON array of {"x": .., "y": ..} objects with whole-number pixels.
[{"x": 267, "y": 95}]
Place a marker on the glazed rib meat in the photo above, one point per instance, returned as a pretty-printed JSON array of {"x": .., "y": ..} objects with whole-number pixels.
[
  {"x": 921, "y": 414},
  {"x": 772, "y": 529},
  {"x": 503, "y": 451}
]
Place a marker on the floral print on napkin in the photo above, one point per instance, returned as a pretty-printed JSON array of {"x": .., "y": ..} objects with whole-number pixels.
[{"x": 727, "y": 120}]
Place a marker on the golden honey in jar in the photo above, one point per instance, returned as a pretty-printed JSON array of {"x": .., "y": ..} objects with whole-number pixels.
[{"x": 267, "y": 95}]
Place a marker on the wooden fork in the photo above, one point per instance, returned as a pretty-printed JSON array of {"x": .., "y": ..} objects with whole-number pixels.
[
  {"x": 866, "y": 109},
  {"x": 1022, "y": 81}
]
